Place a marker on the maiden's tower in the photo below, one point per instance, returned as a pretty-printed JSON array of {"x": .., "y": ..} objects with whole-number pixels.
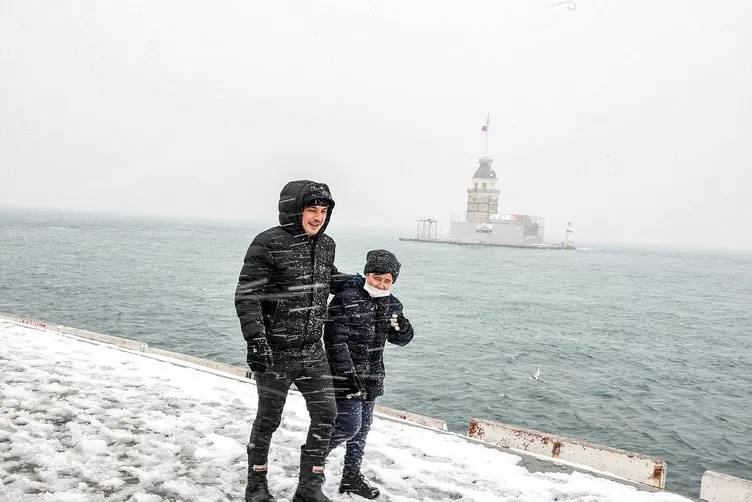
[{"x": 483, "y": 223}]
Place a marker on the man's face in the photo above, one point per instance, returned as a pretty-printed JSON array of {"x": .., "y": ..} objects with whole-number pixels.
[
  {"x": 313, "y": 218},
  {"x": 380, "y": 281}
]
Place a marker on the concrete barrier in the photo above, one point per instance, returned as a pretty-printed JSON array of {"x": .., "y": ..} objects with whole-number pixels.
[
  {"x": 717, "y": 487},
  {"x": 221, "y": 367},
  {"x": 26, "y": 322},
  {"x": 630, "y": 466},
  {"x": 430, "y": 422},
  {"x": 126, "y": 343}
]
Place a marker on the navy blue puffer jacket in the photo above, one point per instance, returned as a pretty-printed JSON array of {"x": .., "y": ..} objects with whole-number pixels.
[{"x": 356, "y": 334}]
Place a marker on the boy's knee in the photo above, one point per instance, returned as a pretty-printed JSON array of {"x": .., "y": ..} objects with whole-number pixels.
[
  {"x": 349, "y": 427},
  {"x": 346, "y": 435},
  {"x": 366, "y": 423},
  {"x": 364, "y": 427}
]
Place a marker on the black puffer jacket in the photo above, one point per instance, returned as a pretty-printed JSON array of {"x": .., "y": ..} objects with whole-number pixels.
[
  {"x": 357, "y": 332},
  {"x": 286, "y": 278}
]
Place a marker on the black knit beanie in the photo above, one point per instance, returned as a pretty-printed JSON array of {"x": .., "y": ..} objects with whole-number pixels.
[
  {"x": 381, "y": 261},
  {"x": 316, "y": 201},
  {"x": 317, "y": 195}
]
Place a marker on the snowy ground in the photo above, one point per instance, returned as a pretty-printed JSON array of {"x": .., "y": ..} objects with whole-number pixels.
[{"x": 83, "y": 422}]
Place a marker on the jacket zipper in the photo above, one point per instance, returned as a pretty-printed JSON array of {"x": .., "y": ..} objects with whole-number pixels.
[{"x": 312, "y": 243}]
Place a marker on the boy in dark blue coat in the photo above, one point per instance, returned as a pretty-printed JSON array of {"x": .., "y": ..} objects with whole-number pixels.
[{"x": 363, "y": 317}]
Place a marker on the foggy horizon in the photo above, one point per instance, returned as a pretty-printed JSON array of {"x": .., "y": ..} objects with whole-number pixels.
[
  {"x": 629, "y": 119},
  {"x": 335, "y": 229}
]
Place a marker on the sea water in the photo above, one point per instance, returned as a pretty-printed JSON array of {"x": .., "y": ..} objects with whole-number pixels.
[{"x": 643, "y": 349}]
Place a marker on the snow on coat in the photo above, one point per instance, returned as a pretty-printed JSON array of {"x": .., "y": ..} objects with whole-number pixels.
[{"x": 286, "y": 277}]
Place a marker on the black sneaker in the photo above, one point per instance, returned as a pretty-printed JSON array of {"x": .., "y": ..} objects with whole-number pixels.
[{"x": 355, "y": 483}]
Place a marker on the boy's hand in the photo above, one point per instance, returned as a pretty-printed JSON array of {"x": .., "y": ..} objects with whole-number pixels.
[
  {"x": 398, "y": 322},
  {"x": 400, "y": 330},
  {"x": 354, "y": 385},
  {"x": 394, "y": 322}
]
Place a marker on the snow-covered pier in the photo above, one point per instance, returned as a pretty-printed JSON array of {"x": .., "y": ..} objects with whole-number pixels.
[{"x": 86, "y": 419}]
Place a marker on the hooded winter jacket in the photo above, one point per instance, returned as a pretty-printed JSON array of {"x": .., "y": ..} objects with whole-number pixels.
[
  {"x": 357, "y": 332},
  {"x": 286, "y": 277}
]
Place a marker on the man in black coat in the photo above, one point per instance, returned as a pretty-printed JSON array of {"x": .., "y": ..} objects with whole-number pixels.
[{"x": 281, "y": 301}]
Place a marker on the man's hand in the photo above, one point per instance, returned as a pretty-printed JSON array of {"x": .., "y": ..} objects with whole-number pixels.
[{"x": 259, "y": 355}]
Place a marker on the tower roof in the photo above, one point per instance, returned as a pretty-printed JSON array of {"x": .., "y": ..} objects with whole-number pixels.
[{"x": 484, "y": 169}]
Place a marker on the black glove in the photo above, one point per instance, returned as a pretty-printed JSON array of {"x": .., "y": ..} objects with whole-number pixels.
[
  {"x": 353, "y": 385},
  {"x": 398, "y": 322},
  {"x": 259, "y": 355}
]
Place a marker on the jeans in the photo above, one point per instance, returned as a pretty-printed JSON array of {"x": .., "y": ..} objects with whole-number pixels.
[{"x": 354, "y": 419}]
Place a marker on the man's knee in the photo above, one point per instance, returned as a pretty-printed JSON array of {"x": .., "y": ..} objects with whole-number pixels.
[
  {"x": 328, "y": 414},
  {"x": 268, "y": 418},
  {"x": 322, "y": 409}
]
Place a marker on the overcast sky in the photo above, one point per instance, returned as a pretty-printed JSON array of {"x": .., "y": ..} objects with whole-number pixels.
[{"x": 632, "y": 119}]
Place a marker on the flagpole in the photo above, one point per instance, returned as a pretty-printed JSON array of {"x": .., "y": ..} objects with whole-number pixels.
[{"x": 488, "y": 117}]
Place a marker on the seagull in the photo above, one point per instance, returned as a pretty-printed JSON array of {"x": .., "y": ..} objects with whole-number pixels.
[{"x": 537, "y": 373}]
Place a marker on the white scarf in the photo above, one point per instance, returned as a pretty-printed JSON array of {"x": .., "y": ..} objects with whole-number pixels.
[{"x": 375, "y": 292}]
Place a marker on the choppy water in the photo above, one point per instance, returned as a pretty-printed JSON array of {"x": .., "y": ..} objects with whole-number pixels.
[{"x": 646, "y": 350}]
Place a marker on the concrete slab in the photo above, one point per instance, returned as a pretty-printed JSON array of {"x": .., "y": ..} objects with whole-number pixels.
[
  {"x": 717, "y": 487},
  {"x": 631, "y": 466}
]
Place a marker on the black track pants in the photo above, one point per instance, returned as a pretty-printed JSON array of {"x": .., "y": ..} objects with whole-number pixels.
[{"x": 309, "y": 371}]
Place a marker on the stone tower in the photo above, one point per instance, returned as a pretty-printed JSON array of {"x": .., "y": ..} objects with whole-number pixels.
[{"x": 482, "y": 197}]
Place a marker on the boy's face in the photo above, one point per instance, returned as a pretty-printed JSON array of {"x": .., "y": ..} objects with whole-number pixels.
[
  {"x": 313, "y": 218},
  {"x": 380, "y": 281}
]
